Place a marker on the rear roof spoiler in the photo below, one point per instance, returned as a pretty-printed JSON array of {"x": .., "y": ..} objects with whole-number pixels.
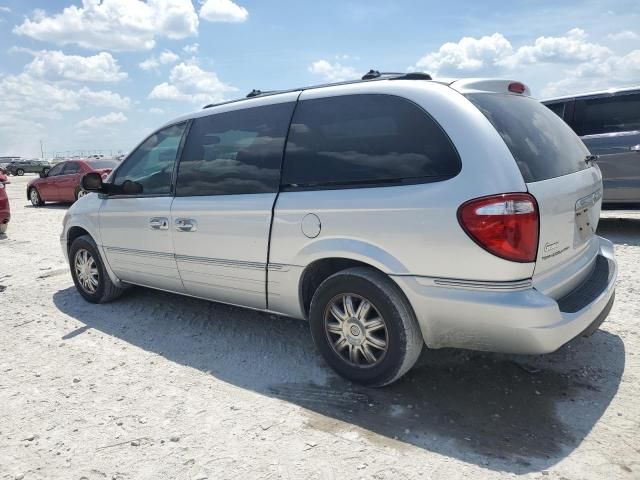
[{"x": 478, "y": 85}]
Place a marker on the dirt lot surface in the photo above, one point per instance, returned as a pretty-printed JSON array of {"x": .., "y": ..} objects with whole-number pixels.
[{"x": 158, "y": 386}]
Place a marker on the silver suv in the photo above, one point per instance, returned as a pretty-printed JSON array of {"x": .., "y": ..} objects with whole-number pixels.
[
  {"x": 608, "y": 122},
  {"x": 389, "y": 212}
]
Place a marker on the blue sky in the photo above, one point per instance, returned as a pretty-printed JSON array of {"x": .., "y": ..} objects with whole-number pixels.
[{"x": 101, "y": 74}]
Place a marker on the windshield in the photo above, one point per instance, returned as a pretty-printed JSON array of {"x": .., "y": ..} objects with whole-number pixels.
[
  {"x": 98, "y": 164},
  {"x": 542, "y": 144}
]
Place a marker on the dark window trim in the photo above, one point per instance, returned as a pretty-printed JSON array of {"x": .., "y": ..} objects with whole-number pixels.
[
  {"x": 393, "y": 182},
  {"x": 172, "y": 187}
]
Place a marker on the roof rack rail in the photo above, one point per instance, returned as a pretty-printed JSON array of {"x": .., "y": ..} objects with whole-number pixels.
[
  {"x": 370, "y": 75},
  {"x": 373, "y": 74},
  {"x": 257, "y": 93}
]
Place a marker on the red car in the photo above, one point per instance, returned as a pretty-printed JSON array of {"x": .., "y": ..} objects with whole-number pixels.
[
  {"x": 62, "y": 182},
  {"x": 5, "y": 212}
]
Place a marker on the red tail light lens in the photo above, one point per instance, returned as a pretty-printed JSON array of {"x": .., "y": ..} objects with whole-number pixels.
[{"x": 505, "y": 225}]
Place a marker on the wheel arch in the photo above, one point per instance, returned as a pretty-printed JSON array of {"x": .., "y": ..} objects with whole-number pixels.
[{"x": 326, "y": 257}]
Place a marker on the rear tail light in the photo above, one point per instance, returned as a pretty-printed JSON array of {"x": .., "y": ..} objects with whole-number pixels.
[{"x": 505, "y": 225}]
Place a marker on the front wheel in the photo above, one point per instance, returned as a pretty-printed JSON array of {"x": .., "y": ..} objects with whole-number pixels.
[
  {"x": 364, "y": 327},
  {"x": 20, "y": 172},
  {"x": 3, "y": 228},
  {"x": 35, "y": 198},
  {"x": 88, "y": 272}
]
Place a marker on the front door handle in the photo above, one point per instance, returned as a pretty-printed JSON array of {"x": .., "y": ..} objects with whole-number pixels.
[
  {"x": 186, "y": 225},
  {"x": 159, "y": 223}
]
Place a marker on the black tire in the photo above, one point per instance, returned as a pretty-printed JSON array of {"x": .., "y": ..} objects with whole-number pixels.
[
  {"x": 402, "y": 335},
  {"x": 19, "y": 172},
  {"x": 35, "y": 198},
  {"x": 45, "y": 170},
  {"x": 106, "y": 290},
  {"x": 3, "y": 228}
]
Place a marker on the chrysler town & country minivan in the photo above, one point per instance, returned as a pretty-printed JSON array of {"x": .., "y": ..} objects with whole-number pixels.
[{"x": 389, "y": 212}]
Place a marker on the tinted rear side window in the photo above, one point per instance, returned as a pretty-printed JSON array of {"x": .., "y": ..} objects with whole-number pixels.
[
  {"x": 365, "y": 139},
  {"x": 542, "y": 144},
  {"x": 237, "y": 152},
  {"x": 608, "y": 115}
]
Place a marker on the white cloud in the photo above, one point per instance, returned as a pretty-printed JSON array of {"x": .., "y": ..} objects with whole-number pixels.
[
  {"x": 188, "y": 82},
  {"x": 617, "y": 70},
  {"x": 191, "y": 49},
  {"x": 28, "y": 105},
  {"x": 153, "y": 62},
  {"x": 114, "y": 24},
  {"x": 565, "y": 64},
  {"x": 572, "y": 48},
  {"x": 468, "y": 55},
  {"x": 5, "y": 9},
  {"x": 23, "y": 92},
  {"x": 94, "y": 123},
  {"x": 333, "y": 72},
  {"x": 624, "y": 35},
  {"x": 53, "y": 64},
  {"x": 223, "y": 11}
]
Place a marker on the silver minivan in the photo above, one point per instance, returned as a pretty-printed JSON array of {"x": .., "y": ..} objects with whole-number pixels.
[
  {"x": 389, "y": 212},
  {"x": 608, "y": 122}
]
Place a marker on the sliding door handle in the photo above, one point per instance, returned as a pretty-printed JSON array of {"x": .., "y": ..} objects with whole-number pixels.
[
  {"x": 159, "y": 223},
  {"x": 186, "y": 225}
]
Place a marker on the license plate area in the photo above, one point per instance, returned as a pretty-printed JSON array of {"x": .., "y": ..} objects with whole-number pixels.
[{"x": 586, "y": 219}]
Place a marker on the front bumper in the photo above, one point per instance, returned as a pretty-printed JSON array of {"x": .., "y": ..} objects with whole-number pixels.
[{"x": 519, "y": 320}]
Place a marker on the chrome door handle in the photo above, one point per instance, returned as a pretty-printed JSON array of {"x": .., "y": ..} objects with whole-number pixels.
[
  {"x": 159, "y": 223},
  {"x": 186, "y": 225}
]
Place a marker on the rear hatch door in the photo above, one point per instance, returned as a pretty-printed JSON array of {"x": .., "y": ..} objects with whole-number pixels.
[{"x": 555, "y": 166}]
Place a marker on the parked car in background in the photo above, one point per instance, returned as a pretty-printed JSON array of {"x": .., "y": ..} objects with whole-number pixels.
[
  {"x": 62, "y": 182},
  {"x": 608, "y": 122},
  {"x": 388, "y": 212},
  {"x": 22, "y": 166},
  {"x": 5, "y": 212}
]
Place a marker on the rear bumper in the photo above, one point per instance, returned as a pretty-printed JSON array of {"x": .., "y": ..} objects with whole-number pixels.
[{"x": 511, "y": 318}]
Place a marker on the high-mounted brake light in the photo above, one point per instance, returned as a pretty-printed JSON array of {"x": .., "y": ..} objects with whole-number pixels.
[
  {"x": 505, "y": 225},
  {"x": 517, "y": 87}
]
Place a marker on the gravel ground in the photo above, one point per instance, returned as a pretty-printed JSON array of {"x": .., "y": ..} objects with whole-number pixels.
[{"x": 158, "y": 386}]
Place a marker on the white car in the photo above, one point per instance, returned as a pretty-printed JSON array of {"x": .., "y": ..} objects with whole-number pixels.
[{"x": 389, "y": 212}]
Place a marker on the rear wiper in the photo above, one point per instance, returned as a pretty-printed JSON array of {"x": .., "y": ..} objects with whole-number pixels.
[{"x": 590, "y": 159}]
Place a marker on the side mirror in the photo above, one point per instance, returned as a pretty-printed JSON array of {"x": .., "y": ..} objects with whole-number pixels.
[
  {"x": 92, "y": 182},
  {"x": 43, "y": 174}
]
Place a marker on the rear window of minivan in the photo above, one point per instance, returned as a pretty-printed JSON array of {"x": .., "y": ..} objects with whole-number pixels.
[{"x": 541, "y": 143}]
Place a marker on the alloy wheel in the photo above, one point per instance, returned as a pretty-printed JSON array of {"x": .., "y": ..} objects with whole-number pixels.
[
  {"x": 35, "y": 198},
  {"x": 356, "y": 330},
  {"x": 86, "y": 271}
]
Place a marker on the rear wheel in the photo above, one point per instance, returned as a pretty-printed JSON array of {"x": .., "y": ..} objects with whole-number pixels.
[
  {"x": 364, "y": 327},
  {"x": 35, "y": 198},
  {"x": 45, "y": 170},
  {"x": 3, "y": 227},
  {"x": 20, "y": 172},
  {"x": 88, "y": 272}
]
